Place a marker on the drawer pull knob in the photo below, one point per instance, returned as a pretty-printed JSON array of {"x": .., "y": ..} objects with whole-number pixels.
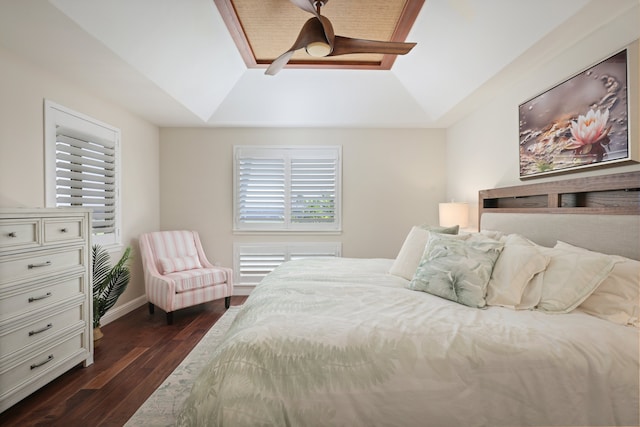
[
  {"x": 63, "y": 230},
  {"x": 42, "y": 264},
  {"x": 12, "y": 234},
  {"x": 39, "y": 331},
  {"x": 44, "y": 362},
  {"x": 47, "y": 295}
]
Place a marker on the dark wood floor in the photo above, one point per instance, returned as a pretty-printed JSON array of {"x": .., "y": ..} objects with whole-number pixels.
[{"x": 137, "y": 353}]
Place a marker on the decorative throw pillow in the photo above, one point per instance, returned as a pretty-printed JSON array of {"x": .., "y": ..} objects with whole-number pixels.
[
  {"x": 413, "y": 247},
  {"x": 617, "y": 298},
  {"x": 172, "y": 265},
  {"x": 517, "y": 264},
  {"x": 457, "y": 269},
  {"x": 439, "y": 229},
  {"x": 571, "y": 277}
]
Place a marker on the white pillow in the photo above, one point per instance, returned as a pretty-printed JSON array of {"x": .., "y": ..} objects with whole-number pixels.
[
  {"x": 494, "y": 234},
  {"x": 412, "y": 249},
  {"x": 532, "y": 293},
  {"x": 517, "y": 264},
  {"x": 617, "y": 298},
  {"x": 571, "y": 277},
  {"x": 172, "y": 265}
]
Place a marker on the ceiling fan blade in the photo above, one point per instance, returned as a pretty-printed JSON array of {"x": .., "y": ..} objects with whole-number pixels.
[
  {"x": 279, "y": 63},
  {"x": 327, "y": 28},
  {"x": 312, "y": 31},
  {"x": 347, "y": 45},
  {"x": 307, "y": 6},
  {"x": 310, "y": 6}
]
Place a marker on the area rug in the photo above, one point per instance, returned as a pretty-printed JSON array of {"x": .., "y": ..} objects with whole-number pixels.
[{"x": 163, "y": 406}]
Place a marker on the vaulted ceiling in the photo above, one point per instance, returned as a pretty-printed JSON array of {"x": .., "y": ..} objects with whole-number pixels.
[{"x": 176, "y": 63}]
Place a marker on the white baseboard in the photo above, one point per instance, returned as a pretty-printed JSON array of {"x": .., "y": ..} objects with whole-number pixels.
[
  {"x": 117, "y": 312},
  {"x": 121, "y": 310}
]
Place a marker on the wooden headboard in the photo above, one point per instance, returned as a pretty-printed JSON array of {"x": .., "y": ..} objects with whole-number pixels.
[
  {"x": 601, "y": 213},
  {"x": 617, "y": 194}
]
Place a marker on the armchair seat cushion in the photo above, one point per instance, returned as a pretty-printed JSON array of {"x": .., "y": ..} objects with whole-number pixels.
[{"x": 190, "y": 280}]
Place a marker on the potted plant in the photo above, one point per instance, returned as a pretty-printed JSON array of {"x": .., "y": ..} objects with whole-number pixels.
[{"x": 109, "y": 282}]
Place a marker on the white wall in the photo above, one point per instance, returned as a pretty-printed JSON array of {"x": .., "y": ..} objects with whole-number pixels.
[
  {"x": 482, "y": 148},
  {"x": 392, "y": 179},
  {"x": 23, "y": 87}
]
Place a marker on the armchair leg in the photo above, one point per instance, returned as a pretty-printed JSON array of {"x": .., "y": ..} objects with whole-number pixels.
[
  {"x": 170, "y": 318},
  {"x": 151, "y": 308},
  {"x": 227, "y": 302}
]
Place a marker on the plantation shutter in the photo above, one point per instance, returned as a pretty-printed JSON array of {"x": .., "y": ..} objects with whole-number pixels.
[
  {"x": 82, "y": 168},
  {"x": 261, "y": 190},
  {"x": 313, "y": 190},
  {"x": 287, "y": 188},
  {"x": 253, "y": 261},
  {"x": 85, "y": 176}
]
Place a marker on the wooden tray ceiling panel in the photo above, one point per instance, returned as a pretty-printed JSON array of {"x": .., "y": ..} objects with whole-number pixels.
[{"x": 264, "y": 29}]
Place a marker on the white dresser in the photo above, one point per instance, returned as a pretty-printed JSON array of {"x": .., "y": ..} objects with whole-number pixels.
[{"x": 45, "y": 297}]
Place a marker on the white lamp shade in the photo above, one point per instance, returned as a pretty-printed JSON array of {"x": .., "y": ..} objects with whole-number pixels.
[{"x": 454, "y": 214}]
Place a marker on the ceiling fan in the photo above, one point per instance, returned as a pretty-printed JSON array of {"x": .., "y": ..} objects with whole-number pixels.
[{"x": 319, "y": 40}]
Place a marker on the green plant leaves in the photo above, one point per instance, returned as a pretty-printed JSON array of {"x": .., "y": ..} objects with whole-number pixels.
[{"x": 108, "y": 282}]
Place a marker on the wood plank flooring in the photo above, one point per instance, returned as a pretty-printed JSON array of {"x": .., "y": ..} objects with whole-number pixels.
[{"x": 135, "y": 356}]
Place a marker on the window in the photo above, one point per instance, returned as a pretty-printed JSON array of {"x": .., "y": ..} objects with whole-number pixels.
[
  {"x": 253, "y": 261},
  {"x": 287, "y": 188},
  {"x": 81, "y": 168}
]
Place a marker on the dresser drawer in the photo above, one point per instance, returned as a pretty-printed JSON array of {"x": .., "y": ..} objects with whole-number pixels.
[
  {"x": 15, "y": 375},
  {"x": 62, "y": 230},
  {"x": 36, "y": 330},
  {"x": 19, "y": 233},
  {"x": 40, "y": 263},
  {"x": 17, "y": 300},
  {"x": 45, "y": 297}
]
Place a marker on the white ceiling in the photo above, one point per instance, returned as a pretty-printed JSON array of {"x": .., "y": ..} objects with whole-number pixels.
[{"x": 174, "y": 63}]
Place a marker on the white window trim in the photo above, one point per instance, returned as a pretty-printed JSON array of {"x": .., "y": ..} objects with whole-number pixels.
[
  {"x": 288, "y": 228},
  {"x": 56, "y": 115}
]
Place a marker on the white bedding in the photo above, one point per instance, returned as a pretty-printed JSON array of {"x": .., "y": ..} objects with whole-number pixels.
[{"x": 339, "y": 342}]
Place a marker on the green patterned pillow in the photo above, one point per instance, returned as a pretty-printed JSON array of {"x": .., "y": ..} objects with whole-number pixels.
[
  {"x": 413, "y": 247},
  {"x": 439, "y": 229},
  {"x": 456, "y": 269}
]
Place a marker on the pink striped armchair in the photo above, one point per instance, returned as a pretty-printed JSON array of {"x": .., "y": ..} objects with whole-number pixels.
[{"x": 177, "y": 273}]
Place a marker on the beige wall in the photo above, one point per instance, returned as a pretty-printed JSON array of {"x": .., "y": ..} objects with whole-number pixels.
[
  {"x": 482, "y": 149},
  {"x": 392, "y": 179},
  {"x": 23, "y": 87}
]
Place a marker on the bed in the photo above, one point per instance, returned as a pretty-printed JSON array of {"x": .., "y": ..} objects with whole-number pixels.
[{"x": 359, "y": 342}]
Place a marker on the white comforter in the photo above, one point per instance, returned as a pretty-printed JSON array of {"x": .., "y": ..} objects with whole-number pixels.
[{"x": 341, "y": 343}]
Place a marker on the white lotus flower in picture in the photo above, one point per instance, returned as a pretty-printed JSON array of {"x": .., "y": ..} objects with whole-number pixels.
[{"x": 589, "y": 134}]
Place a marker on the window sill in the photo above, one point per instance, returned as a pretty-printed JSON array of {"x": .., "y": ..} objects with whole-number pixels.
[{"x": 286, "y": 233}]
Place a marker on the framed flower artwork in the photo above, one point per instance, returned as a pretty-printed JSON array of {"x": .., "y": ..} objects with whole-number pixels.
[{"x": 585, "y": 121}]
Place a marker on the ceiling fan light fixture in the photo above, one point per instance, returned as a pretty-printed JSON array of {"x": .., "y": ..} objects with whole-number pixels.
[{"x": 318, "y": 49}]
